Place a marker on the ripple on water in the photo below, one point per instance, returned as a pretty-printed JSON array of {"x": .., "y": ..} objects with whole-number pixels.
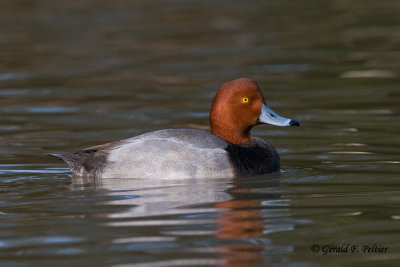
[{"x": 39, "y": 110}]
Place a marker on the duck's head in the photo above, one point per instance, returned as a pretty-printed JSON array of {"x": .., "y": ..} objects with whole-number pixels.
[{"x": 237, "y": 107}]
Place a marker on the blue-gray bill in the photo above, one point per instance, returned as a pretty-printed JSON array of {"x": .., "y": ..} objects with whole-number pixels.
[{"x": 269, "y": 116}]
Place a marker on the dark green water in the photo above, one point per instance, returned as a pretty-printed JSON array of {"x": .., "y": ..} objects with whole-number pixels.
[{"x": 80, "y": 73}]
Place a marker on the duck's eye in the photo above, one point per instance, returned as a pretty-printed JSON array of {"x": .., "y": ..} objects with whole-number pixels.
[{"x": 245, "y": 100}]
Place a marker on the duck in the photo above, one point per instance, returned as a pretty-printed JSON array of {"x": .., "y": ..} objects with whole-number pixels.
[{"x": 227, "y": 150}]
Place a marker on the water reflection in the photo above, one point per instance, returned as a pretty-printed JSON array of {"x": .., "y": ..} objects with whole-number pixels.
[
  {"x": 148, "y": 197},
  {"x": 236, "y": 213},
  {"x": 244, "y": 218}
]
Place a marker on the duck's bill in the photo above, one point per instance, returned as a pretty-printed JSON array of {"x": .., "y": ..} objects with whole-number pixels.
[{"x": 271, "y": 117}]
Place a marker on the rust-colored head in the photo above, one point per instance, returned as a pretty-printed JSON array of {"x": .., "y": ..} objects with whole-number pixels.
[
  {"x": 235, "y": 110},
  {"x": 237, "y": 107}
]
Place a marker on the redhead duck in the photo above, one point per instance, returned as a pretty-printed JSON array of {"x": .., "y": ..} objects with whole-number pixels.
[{"x": 229, "y": 150}]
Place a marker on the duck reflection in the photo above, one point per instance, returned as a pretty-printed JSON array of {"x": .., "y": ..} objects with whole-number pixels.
[
  {"x": 246, "y": 217},
  {"x": 151, "y": 197},
  {"x": 234, "y": 216},
  {"x": 242, "y": 217}
]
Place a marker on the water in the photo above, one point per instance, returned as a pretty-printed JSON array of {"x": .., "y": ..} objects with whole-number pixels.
[{"x": 75, "y": 74}]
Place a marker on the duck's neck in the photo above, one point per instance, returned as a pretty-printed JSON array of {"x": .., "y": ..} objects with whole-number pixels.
[{"x": 233, "y": 136}]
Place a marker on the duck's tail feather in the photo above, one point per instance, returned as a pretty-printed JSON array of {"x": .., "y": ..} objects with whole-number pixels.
[
  {"x": 86, "y": 162},
  {"x": 69, "y": 159},
  {"x": 64, "y": 157}
]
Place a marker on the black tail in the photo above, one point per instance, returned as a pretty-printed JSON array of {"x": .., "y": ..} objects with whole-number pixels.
[
  {"x": 70, "y": 159},
  {"x": 64, "y": 157},
  {"x": 85, "y": 162}
]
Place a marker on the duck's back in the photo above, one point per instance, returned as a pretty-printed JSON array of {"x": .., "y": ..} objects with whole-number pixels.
[
  {"x": 174, "y": 153},
  {"x": 170, "y": 153}
]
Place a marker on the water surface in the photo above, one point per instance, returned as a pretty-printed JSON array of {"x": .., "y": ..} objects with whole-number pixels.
[{"x": 76, "y": 74}]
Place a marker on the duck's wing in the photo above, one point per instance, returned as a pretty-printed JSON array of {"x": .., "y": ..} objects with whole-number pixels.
[{"x": 162, "y": 154}]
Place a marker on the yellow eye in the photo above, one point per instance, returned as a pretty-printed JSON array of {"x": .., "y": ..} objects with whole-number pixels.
[{"x": 245, "y": 100}]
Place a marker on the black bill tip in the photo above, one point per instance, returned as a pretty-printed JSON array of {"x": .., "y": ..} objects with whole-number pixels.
[{"x": 294, "y": 123}]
